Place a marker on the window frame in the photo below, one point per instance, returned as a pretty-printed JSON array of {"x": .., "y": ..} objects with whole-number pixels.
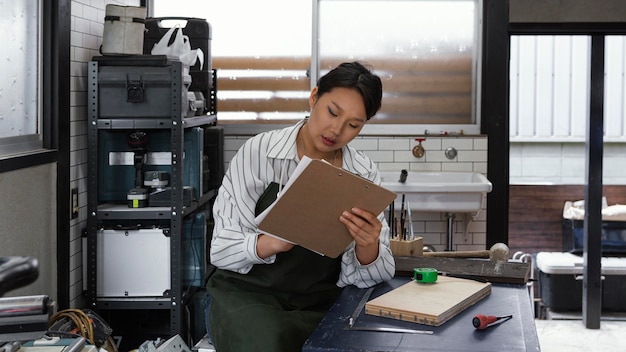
[
  {"x": 384, "y": 129},
  {"x": 20, "y": 152},
  {"x": 233, "y": 127}
]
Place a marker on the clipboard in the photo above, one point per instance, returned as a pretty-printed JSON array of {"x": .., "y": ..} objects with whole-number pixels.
[{"x": 308, "y": 209}]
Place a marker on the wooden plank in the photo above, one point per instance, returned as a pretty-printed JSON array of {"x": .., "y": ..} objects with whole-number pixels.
[
  {"x": 509, "y": 272},
  {"x": 429, "y": 303},
  {"x": 292, "y": 83},
  {"x": 452, "y": 63},
  {"x": 444, "y": 105},
  {"x": 441, "y": 83},
  {"x": 402, "y": 82},
  {"x": 261, "y": 62}
]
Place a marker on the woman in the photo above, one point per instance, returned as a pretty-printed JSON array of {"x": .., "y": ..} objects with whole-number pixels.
[{"x": 267, "y": 294}]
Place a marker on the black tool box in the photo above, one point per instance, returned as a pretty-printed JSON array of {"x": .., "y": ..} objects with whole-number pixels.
[
  {"x": 138, "y": 86},
  {"x": 199, "y": 32},
  {"x": 561, "y": 284}
]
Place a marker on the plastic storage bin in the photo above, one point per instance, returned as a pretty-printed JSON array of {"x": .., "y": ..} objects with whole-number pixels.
[
  {"x": 133, "y": 263},
  {"x": 142, "y": 86},
  {"x": 194, "y": 250},
  {"x": 613, "y": 236},
  {"x": 561, "y": 284}
]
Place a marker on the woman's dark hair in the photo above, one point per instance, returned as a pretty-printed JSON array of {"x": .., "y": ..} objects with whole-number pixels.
[{"x": 356, "y": 76}]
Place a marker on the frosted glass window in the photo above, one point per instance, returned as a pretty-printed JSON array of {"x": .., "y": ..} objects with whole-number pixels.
[
  {"x": 425, "y": 52},
  {"x": 19, "y": 78},
  {"x": 268, "y": 53}
]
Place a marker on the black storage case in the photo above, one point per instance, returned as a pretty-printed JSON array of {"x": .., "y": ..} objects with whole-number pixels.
[
  {"x": 213, "y": 157},
  {"x": 613, "y": 236},
  {"x": 199, "y": 32},
  {"x": 561, "y": 284},
  {"x": 140, "y": 86}
]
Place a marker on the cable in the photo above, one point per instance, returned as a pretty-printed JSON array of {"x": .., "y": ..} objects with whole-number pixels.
[
  {"x": 80, "y": 320},
  {"x": 82, "y": 325}
]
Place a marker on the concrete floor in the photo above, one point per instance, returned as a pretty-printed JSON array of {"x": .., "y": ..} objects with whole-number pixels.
[{"x": 571, "y": 335}]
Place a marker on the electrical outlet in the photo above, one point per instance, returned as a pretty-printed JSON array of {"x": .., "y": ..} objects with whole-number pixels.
[{"x": 74, "y": 214}]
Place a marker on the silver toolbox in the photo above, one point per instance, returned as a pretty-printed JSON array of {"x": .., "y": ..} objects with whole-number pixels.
[{"x": 133, "y": 263}]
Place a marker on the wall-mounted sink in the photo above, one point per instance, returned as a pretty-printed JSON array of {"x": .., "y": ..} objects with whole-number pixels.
[{"x": 452, "y": 192}]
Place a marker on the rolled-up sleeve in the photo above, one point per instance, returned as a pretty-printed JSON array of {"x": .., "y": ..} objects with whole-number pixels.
[{"x": 381, "y": 269}]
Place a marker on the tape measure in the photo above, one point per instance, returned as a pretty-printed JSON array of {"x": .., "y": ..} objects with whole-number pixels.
[{"x": 425, "y": 275}]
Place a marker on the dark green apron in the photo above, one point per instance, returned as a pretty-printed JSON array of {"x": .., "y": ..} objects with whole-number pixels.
[{"x": 274, "y": 307}]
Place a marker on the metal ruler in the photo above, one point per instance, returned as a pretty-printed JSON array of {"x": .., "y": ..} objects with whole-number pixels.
[{"x": 359, "y": 309}]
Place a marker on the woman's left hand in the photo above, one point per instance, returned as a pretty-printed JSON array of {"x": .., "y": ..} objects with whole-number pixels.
[{"x": 365, "y": 228}]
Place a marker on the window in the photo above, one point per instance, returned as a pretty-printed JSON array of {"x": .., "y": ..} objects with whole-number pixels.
[
  {"x": 424, "y": 52},
  {"x": 20, "y": 104},
  {"x": 267, "y": 54},
  {"x": 549, "y": 92}
]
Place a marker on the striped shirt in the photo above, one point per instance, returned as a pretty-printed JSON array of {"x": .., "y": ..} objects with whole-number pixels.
[{"x": 271, "y": 157}]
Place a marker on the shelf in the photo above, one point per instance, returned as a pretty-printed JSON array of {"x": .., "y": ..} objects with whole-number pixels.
[
  {"x": 114, "y": 211},
  {"x": 163, "y": 109},
  {"x": 154, "y": 123},
  {"x": 135, "y": 303}
]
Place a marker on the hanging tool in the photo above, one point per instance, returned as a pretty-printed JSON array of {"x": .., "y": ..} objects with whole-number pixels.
[
  {"x": 359, "y": 309},
  {"x": 482, "y": 322}
]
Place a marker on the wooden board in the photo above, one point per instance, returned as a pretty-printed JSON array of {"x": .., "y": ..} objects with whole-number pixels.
[
  {"x": 495, "y": 272},
  {"x": 431, "y": 303}
]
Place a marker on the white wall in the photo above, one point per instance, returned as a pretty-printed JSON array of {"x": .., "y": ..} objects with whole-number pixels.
[
  {"x": 549, "y": 109},
  {"x": 87, "y": 27},
  {"x": 563, "y": 163},
  {"x": 28, "y": 224}
]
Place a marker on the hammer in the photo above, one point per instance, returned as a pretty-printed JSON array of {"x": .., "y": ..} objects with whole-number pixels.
[{"x": 498, "y": 252}]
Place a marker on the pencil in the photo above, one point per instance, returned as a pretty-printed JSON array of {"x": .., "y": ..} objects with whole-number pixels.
[{"x": 402, "y": 218}]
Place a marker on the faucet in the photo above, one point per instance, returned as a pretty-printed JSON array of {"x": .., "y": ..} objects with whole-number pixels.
[
  {"x": 403, "y": 175},
  {"x": 418, "y": 150}
]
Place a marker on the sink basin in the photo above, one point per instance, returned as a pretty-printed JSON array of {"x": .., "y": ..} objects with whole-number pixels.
[{"x": 452, "y": 192}]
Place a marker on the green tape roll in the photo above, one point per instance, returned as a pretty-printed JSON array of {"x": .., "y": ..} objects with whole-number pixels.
[{"x": 425, "y": 275}]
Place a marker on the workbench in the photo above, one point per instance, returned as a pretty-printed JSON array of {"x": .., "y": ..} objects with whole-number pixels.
[{"x": 457, "y": 334}]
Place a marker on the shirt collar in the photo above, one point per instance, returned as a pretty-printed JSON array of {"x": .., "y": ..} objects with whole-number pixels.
[{"x": 284, "y": 145}]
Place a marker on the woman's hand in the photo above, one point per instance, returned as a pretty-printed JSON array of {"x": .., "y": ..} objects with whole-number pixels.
[
  {"x": 365, "y": 228},
  {"x": 267, "y": 245}
]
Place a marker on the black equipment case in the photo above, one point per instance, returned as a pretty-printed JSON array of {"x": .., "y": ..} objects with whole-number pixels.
[{"x": 199, "y": 32}]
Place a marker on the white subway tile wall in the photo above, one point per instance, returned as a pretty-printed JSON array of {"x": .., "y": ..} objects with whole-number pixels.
[
  {"x": 395, "y": 153},
  {"x": 563, "y": 163},
  {"x": 87, "y": 26}
]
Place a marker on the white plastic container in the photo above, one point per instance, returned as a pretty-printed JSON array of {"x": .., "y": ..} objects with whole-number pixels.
[
  {"x": 133, "y": 263},
  {"x": 560, "y": 281},
  {"x": 124, "y": 28}
]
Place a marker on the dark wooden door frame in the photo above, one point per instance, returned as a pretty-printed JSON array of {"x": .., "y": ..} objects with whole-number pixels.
[
  {"x": 495, "y": 115},
  {"x": 498, "y": 134}
]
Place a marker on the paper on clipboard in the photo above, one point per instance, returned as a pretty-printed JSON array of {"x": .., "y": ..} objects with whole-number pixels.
[{"x": 308, "y": 208}]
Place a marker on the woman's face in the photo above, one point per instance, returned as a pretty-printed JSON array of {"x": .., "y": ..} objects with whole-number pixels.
[{"x": 336, "y": 118}]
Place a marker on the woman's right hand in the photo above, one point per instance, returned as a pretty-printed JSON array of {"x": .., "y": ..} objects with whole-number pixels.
[{"x": 267, "y": 246}]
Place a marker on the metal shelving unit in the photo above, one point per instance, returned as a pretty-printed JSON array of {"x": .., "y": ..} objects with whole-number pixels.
[{"x": 102, "y": 214}]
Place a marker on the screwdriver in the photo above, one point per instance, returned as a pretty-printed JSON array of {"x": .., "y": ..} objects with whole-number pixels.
[{"x": 482, "y": 322}]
